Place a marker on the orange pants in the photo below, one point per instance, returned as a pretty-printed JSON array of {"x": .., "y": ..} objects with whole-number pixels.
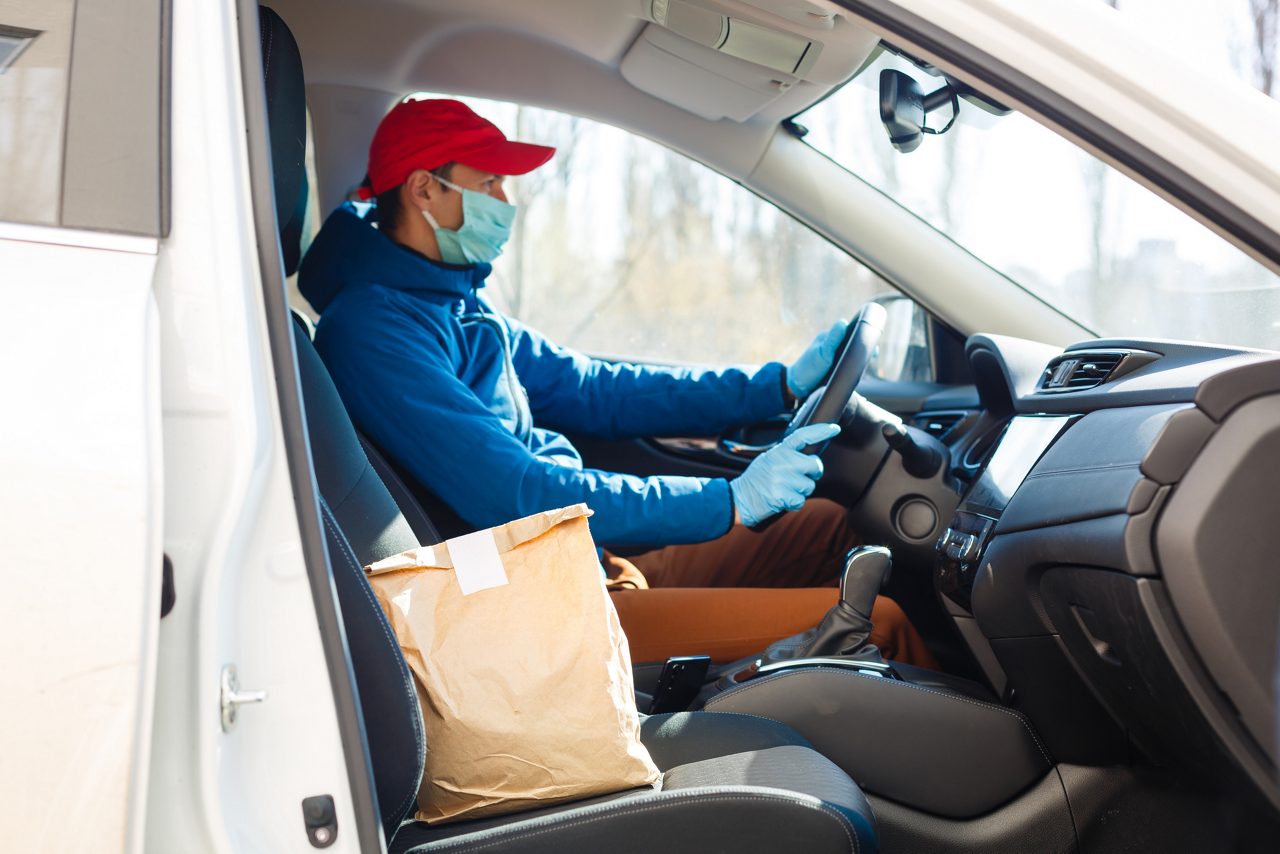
[{"x": 706, "y": 598}]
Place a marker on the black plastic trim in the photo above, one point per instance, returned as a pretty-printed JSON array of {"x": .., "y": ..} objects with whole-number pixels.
[
  {"x": 1039, "y": 819},
  {"x": 800, "y": 61},
  {"x": 946, "y": 346},
  {"x": 168, "y": 593},
  {"x": 1053, "y": 107},
  {"x": 280, "y": 331}
]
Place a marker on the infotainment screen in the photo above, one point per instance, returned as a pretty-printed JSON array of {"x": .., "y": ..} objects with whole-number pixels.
[{"x": 1024, "y": 440}]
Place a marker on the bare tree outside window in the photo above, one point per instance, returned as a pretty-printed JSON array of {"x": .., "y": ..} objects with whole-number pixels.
[
  {"x": 624, "y": 248},
  {"x": 1065, "y": 225},
  {"x": 1102, "y": 218},
  {"x": 1264, "y": 15}
]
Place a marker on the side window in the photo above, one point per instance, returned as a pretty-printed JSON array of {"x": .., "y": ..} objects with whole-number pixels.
[
  {"x": 80, "y": 115},
  {"x": 905, "y": 352},
  {"x": 35, "y": 38},
  {"x": 310, "y": 224},
  {"x": 622, "y": 248}
]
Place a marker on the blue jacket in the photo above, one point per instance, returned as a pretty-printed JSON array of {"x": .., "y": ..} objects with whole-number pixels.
[{"x": 468, "y": 400}]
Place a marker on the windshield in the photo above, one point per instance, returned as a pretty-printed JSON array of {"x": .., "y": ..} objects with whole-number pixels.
[{"x": 1056, "y": 220}]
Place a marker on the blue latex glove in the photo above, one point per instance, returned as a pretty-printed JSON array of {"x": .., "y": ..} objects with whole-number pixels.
[
  {"x": 781, "y": 477},
  {"x": 806, "y": 372}
]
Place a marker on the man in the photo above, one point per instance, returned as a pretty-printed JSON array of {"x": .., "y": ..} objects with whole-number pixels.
[{"x": 469, "y": 402}]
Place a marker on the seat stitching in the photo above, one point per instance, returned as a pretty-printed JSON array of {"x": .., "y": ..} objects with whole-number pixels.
[
  {"x": 267, "y": 42},
  {"x": 364, "y": 474},
  {"x": 1108, "y": 467},
  {"x": 1018, "y": 716},
  {"x": 759, "y": 718},
  {"x": 606, "y": 814},
  {"x": 415, "y": 720}
]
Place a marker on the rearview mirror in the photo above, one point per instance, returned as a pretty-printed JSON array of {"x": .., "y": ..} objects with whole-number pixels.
[
  {"x": 901, "y": 110},
  {"x": 903, "y": 107}
]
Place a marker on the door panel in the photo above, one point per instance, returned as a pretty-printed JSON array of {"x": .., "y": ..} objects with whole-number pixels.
[{"x": 81, "y": 513}]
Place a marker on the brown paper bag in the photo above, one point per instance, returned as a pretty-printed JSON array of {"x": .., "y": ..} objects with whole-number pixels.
[{"x": 526, "y": 687}]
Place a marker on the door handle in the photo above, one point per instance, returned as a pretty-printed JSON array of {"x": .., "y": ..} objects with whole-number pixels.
[{"x": 742, "y": 449}]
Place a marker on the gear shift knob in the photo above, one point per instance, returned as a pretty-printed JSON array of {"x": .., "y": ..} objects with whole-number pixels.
[
  {"x": 846, "y": 629},
  {"x": 866, "y": 571}
]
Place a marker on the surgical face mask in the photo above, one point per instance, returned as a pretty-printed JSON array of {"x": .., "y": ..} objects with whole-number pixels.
[{"x": 486, "y": 225}]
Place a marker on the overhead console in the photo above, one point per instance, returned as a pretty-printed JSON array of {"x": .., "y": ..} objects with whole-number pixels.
[
  {"x": 781, "y": 51},
  {"x": 729, "y": 59}
]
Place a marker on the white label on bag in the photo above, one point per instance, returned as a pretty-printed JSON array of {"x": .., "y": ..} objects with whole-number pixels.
[{"x": 476, "y": 562}]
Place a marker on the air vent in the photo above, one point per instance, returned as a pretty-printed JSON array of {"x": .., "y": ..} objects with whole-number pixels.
[
  {"x": 938, "y": 424},
  {"x": 1080, "y": 370}
]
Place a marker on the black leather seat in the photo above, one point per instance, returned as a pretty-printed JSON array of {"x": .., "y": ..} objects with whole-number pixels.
[{"x": 731, "y": 782}]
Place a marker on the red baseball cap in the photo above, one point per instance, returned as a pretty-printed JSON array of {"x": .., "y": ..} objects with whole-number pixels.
[{"x": 429, "y": 134}]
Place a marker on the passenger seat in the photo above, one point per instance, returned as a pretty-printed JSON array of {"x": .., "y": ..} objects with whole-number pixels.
[{"x": 730, "y": 782}]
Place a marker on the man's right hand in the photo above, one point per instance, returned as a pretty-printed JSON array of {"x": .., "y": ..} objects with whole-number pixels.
[{"x": 782, "y": 477}]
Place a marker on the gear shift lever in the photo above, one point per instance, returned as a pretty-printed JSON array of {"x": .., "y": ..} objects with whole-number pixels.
[
  {"x": 866, "y": 572},
  {"x": 847, "y": 626}
]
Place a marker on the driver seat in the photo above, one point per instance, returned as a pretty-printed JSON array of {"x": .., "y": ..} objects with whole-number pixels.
[{"x": 730, "y": 781}]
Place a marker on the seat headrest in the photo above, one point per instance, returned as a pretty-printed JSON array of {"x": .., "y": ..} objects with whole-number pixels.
[{"x": 287, "y": 121}]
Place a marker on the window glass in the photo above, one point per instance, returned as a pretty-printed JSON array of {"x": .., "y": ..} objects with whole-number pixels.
[
  {"x": 1061, "y": 223},
  {"x": 35, "y": 56},
  {"x": 625, "y": 249},
  {"x": 904, "y": 352},
  {"x": 310, "y": 224},
  {"x": 80, "y": 119},
  {"x": 1239, "y": 38}
]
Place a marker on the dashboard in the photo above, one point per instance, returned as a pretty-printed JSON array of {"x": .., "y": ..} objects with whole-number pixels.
[
  {"x": 1108, "y": 562},
  {"x": 1021, "y": 443}
]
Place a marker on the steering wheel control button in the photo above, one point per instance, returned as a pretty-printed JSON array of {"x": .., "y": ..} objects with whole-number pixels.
[{"x": 916, "y": 519}]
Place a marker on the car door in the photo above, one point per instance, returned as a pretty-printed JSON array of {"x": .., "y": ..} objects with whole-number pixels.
[{"x": 81, "y": 498}]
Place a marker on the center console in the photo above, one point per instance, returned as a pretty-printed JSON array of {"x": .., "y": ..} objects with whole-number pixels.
[
  {"x": 961, "y": 545},
  {"x": 929, "y": 741}
]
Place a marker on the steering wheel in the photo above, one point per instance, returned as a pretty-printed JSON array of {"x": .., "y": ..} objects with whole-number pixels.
[{"x": 826, "y": 403}]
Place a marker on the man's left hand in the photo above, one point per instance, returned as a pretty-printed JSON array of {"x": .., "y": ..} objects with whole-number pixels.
[{"x": 806, "y": 372}]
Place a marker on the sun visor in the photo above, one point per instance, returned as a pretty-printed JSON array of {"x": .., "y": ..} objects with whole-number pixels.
[
  {"x": 715, "y": 63},
  {"x": 700, "y": 79}
]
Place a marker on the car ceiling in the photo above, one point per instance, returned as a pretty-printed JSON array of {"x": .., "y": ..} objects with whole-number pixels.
[
  {"x": 572, "y": 55},
  {"x": 360, "y": 58}
]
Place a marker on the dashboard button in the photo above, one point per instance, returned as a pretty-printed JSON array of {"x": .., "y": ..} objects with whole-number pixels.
[{"x": 916, "y": 519}]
